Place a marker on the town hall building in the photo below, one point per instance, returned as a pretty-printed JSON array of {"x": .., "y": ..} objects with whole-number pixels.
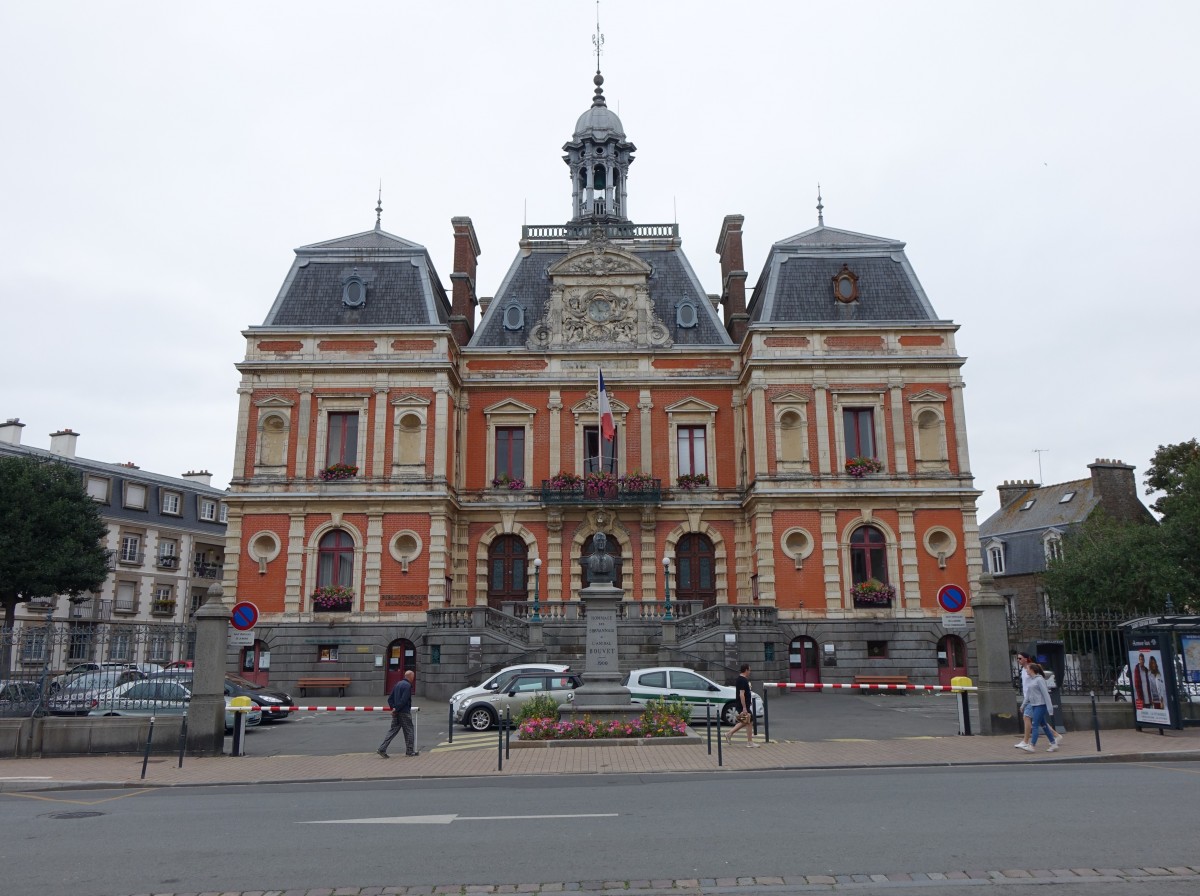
[{"x": 420, "y": 470}]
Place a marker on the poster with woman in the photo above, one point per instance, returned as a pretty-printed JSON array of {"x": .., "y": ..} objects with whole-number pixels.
[{"x": 1147, "y": 683}]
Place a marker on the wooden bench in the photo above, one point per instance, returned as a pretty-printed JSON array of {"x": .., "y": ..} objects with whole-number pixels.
[
  {"x": 324, "y": 681},
  {"x": 880, "y": 679}
]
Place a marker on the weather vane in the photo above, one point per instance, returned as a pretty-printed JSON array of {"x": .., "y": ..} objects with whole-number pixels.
[{"x": 598, "y": 38}]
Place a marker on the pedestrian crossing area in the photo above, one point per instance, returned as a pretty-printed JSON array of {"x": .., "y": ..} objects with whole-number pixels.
[{"x": 467, "y": 740}]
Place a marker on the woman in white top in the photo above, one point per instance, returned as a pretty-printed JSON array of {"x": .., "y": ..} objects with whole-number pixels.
[{"x": 1037, "y": 697}]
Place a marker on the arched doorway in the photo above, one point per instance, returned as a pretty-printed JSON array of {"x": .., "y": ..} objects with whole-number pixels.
[
  {"x": 507, "y": 559},
  {"x": 695, "y": 565},
  {"x": 401, "y": 657},
  {"x": 803, "y": 667},
  {"x": 952, "y": 659},
  {"x": 254, "y": 663}
]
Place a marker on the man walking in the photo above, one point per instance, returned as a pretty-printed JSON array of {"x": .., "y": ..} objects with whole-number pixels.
[
  {"x": 745, "y": 705},
  {"x": 400, "y": 700}
]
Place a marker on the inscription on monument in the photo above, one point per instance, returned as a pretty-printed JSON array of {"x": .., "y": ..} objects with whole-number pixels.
[{"x": 601, "y": 640}]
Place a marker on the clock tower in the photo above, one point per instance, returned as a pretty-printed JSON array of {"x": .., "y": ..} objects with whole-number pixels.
[{"x": 599, "y": 157}]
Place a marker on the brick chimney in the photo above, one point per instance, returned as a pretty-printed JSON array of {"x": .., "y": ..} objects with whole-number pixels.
[
  {"x": 462, "y": 280},
  {"x": 1116, "y": 489},
  {"x": 202, "y": 476},
  {"x": 733, "y": 276},
  {"x": 10, "y": 431},
  {"x": 62, "y": 442},
  {"x": 1011, "y": 490}
]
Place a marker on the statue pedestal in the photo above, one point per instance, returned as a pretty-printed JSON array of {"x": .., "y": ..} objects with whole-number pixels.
[{"x": 601, "y": 696}]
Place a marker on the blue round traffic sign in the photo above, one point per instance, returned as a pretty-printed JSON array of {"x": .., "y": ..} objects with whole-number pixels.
[
  {"x": 244, "y": 616},
  {"x": 952, "y": 598}
]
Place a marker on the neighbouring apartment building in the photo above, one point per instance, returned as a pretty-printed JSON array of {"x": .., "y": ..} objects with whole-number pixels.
[
  {"x": 1020, "y": 538},
  {"x": 166, "y": 537},
  {"x": 420, "y": 470}
]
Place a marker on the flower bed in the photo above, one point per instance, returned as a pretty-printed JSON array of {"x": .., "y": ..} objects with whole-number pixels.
[
  {"x": 335, "y": 472},
  {"x": 660, "y": 719},
  {"x": 689, "y": 481},
  {"x": 872, "y": 593}
]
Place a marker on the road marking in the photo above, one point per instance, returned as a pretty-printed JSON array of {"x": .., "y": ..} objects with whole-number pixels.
[
  {"x": 447, "y": 819},
  {"x": 54, "y": 799},
  {"x": 473, "y": 741}
]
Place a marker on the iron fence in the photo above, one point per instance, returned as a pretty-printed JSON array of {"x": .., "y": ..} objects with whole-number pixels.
[
  {"x": 31, "y": 648},
  {"x": 1092, "y": 642}
]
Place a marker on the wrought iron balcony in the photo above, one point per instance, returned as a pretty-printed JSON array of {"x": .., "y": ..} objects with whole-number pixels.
[
  {"x": 208, "y": 571},
  {"x": 617, "y": 491}
]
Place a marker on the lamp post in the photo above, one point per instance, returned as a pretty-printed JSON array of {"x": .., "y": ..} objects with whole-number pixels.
[
  {"x": 537, "y": 588},
  {"x": 666, "y": 586}
]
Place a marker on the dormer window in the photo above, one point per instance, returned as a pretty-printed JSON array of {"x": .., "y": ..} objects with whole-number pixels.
[
  {"x": 845, "y": 285},
  {"x": 354, "y": 292},
  {"x": 685, "y": 315},
  {"x": 514, "y": 317}
]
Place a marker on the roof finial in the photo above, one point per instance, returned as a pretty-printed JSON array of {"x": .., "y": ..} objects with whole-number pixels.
[
  {"x": 598, "y": 43},
  {"x": 820, "y": 209},
  {"x": 379, "y": 208},
  {"x": 598, "y": 38}
]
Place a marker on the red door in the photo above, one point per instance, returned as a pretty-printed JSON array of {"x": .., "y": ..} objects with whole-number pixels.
[
  {"x": 802, "y": 662},
  {"x": 401, "y": 656},
  {"x": 952, "y": 659},
  {"x": 255, "y": 663}
]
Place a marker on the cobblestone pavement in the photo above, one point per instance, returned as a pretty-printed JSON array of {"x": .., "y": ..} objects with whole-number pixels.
[
  {"x": 594, "y": 759},
  {"x": 951, "y": 881}
]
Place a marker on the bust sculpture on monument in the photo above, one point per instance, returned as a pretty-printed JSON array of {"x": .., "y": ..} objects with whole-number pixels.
[{"x": 600, "y": 564}]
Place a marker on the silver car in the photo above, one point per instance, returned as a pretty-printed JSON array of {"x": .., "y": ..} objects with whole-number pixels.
[
  {"x": 481, "y": 708},
  {"x": 81, "y": 692}
]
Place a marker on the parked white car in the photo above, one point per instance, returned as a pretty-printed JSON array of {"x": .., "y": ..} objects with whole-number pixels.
[{"x": 676, "y": 683}]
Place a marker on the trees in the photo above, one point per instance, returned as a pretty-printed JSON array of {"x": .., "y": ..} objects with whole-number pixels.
[
  {"x": 1131, "y": 567},
  {"x": 51, "y": 535}
]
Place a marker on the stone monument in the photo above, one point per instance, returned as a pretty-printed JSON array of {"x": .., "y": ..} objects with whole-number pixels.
[{"x": 602, "y": 696}]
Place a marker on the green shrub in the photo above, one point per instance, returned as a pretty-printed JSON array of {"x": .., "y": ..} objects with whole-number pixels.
[{"x": 542, "y": 706}]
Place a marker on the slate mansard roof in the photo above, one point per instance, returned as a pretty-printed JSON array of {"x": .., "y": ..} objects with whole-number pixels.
[
  {"x": 402, "y": 287},
  {"x": 672, "y": 281},
  {"x": 796, "y": 285},
  {"x": 1023, "y": 532}
]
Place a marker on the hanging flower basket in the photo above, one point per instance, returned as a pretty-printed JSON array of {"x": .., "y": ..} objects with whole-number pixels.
[
  {"x": 872, "y": 594},
  {"x": 858, "y": 467},
  {"x": 689, "y": 481},
  {"x": 564, "y": 482},
  {"x": 506, "y": 481},
  {"x": 600, "y": 484},
  {"x": 636, "y": 482},
  {"x": 334, "y": 472},
  {"x": 332, "y": 599}
]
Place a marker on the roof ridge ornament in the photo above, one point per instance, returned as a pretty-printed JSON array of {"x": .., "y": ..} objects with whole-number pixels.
[
  {"x": 820, "y": 207},
  {"x": 379, "y": 208}
]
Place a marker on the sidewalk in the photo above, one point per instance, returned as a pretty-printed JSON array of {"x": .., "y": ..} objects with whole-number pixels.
[{"x": 1124, "y": 745}]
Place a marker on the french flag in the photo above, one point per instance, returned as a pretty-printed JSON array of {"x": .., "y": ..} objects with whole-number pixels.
[{"x": 608, "y": 429}]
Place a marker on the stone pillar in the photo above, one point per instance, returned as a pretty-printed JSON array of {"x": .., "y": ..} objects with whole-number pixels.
[
  {"x": 206, "y": 712},
  {"x": 997, "y": 707},
  {"x": 602, "y": 696}
]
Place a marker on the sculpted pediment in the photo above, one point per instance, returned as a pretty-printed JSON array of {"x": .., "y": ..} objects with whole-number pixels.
[{"x": 599, "y": 297}]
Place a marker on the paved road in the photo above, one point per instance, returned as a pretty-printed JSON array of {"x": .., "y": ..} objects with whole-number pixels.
[
  {"x": 755, "y": 826},
  {"x": 794, "y": 717}
]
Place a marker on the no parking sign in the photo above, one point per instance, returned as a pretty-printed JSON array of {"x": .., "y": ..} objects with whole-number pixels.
[{"x": 952, "y": 598}]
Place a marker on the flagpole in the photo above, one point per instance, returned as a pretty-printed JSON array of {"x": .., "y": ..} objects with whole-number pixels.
[{"x": 599, "y": 420}]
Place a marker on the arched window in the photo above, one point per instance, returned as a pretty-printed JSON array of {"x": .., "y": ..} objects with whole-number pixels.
[
  {"x": 335, "y": 559},
  {"x": 868, "y": 555},
  {"x": 507, "y": 561},
  {"x": 613, "y": 549},
  {"x": 695, "y": 570}
]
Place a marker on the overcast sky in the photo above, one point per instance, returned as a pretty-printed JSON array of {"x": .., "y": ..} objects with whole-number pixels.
[{"x": 162, "y": 160}]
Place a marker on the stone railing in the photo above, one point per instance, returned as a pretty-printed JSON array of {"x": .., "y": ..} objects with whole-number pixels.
[
  {"x": 611, "y": 231},
  {"x": 725, "y": 615}
]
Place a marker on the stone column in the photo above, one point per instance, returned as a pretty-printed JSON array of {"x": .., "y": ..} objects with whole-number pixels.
[
  {"x": 206, "y": 712},
  {"x": 997, "y": 706}
]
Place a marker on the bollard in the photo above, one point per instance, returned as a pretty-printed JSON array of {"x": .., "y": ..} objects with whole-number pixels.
[
  {"x": 500, "y": 744},
  {"x": 708, "y": 725},
  {"x": 507, "y": 730},
  {"x": 720, "y": 741},
  {"x": 240, "y": 706},
  {"x": 182, "y": 739},
  {"x": 149, "y": 741},
  {"x": 1095, "y": 721},
  {"x": 958, "y": 684},
  {"x": 450, "y": 725},
  {"x": 766, "y": 716}
]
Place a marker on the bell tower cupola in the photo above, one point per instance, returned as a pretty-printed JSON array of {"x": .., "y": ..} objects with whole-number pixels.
[{"x": 599, "y": 157}]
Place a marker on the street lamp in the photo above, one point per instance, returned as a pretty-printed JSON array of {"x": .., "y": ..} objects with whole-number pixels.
[
  {"x": 537, "y": 588},
  {"x": 667, "y": 586}
]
